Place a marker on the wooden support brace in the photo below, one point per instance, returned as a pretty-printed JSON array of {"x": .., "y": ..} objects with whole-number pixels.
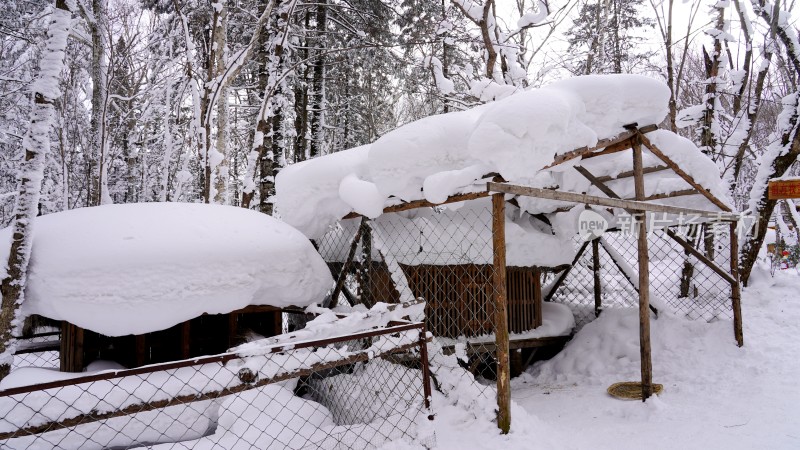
[
  {"x": 700, "y": 256},
  {"x": 675, "y": 168},
  {"x": 345, "y": 268},
  {"x": 551, "y": 289}
]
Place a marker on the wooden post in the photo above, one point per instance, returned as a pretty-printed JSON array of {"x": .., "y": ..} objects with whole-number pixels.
[
  {"x": 736, "y": 288},
  {"x": 598, "y": 301},
  {"x": 501, "y": 313},
  {"x": 71, "y": 348},
  {"x": 366, "y": 263},
  {"x": 644, "y": 279},
  {"x": 537, "y": 297}
]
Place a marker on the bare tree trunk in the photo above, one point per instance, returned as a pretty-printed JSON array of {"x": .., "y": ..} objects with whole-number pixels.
[
  {"x": 318, "y": 83},
  {"x": 221, "y": 168},
  {"x": 708, "y": 138},
  {"x": 97, "y": 26},
  {"x": 36, "y": 145}
]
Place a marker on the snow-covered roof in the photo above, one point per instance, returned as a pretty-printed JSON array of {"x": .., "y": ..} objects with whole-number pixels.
[
  {"x": 517, "y": 137},
  {"x": 136, "y": 268},
  {"x": 458, "y": 234}
]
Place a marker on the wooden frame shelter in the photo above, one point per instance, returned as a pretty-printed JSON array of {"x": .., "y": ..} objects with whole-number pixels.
[{"x": 635, "y": 140}]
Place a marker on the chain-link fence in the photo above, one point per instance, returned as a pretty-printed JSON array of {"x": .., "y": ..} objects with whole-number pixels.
[
  {"x": 445, "y": 254},
  {"x": 360, "y": 390},
  {"x": 679, "y": 282},
  {"x": 39, "y": 350}
]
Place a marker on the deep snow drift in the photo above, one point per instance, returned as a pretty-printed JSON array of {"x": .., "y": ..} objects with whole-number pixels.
[
  {"x": 716, "y": 395},
  {"x": 136, "y": 268}
]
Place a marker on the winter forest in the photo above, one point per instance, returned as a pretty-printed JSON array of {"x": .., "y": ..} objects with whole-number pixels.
[{"x": 197, "y": 101}]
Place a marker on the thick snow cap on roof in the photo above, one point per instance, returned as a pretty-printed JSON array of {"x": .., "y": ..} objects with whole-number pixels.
[
  {"x": 517, "y": 137},
  {"x": 137, "y": 268}
]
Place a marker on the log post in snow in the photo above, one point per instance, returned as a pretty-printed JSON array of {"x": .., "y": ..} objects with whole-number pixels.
[
  {"x": 501, "y": 313},
  {"x": 736, "y": 289},
  {"x": 36, "y": 145},
  {"x": 644, "y": 279},
  {"x": 598, "y": 293}
]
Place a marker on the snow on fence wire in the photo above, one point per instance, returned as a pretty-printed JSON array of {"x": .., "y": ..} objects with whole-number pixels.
[
  {"x": 678, "y": 282},
  {"x": 358, "y": 390}
]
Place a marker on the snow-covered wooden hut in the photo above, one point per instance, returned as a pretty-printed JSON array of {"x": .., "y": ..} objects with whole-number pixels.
[
  {"x": 154, "y": 282},
  {"x": 416, "y": 201}
]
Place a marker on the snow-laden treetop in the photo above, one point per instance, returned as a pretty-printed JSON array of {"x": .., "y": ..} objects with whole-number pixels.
[
  {"x": 517, "y": 137},
  {"x": 136, "y": 268}
]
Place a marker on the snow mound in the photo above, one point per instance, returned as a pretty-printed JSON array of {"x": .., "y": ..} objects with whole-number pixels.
[
  {"x": 137, "y": 268},
  {"x": 516, "y": 137}
]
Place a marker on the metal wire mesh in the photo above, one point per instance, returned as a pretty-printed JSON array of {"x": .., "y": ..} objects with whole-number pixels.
[
  {"x": 345, "y": 392},
  {"x": 678, "y": 282},
  {"x": 444, "y": 256},
  {"x": 39, "y": 350}
]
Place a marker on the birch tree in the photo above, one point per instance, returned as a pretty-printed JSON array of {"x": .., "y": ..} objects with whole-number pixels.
[{"x": 36, "y": 145}]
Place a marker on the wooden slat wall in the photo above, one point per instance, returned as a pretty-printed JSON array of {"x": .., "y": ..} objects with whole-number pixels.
[{"x": 459, "y": 297}]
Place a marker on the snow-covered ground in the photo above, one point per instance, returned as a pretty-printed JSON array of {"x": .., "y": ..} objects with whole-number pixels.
[{"x": 715, "y": 394}]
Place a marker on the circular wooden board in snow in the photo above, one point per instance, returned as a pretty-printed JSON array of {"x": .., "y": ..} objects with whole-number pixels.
[{"x": 631, "y": 390}]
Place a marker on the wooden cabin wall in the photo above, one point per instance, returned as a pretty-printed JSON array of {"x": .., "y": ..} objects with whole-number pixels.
[
  {"x": 205, "y": 335},
  {"x": 459, "y": 297}
]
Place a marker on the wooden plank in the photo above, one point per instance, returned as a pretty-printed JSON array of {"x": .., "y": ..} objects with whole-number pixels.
[
  {"x": 141, "y": 349},
  {"x": 596, "y": 182},
  {"x": 537, "y": 297},
  {"x": 783, "y": 189},
  {"x": 71, "y": 354},
  {"x": 598, "y": 293},
  {"x": 675, "y": 168},
  {"x": 345, "y": 268},
  {"x": 610, "y": 150},
  {"x": 629, "y": 173},
  {"x": 514, "y": 344},
  {"x": 681, "y": 193},
  {"x": 635, "y": 205},
  {"x": 425, "y": 204},
  {"x": 603, "y": 143},
  {"x": 186, "y": 339},
  {"x": 697, "y": 254},
  {"x": 501, "y": 313},
  {"x": 644, "y": 281},
  {"x": 736, "y": 288}
]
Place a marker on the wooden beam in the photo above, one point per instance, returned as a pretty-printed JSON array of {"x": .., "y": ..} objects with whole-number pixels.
[
  {"x": 736, "y": 288},
  {"x": 697, "y": 254},
  {"x": 425, "y": 204},
  {"x": 629, "y": 173},
  {"x": 644, "y": 280},
  {"x": 501, "y": 313},
  {"x": 681, "y": 193},
  {"x": 551, "y": 289},
  {"x": 603, "y": 201},
  {"x": 598, "y": 293},
  {"x": 603, "y": 143},
  {"x": 675, "y": 168}
]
